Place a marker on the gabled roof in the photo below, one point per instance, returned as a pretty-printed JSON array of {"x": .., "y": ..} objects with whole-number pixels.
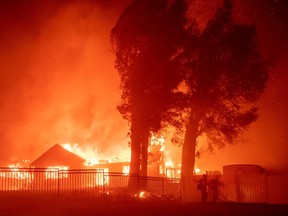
[{"x": 58, "y": 156}]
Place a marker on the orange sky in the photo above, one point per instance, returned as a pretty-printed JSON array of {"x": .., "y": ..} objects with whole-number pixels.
[{"x": 58, "y": 83}]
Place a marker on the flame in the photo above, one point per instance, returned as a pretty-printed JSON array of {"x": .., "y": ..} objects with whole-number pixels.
[
  {"x": 197, "y": 170},
  {"x": 52, "y": 172},
  {"x": 16, "y": 173},
  {"x": 90, "y": 155},
  {"x": 14, "y": 166},
  {"x": 141, "y": 194},
  {"x": 126, "y": 170},
  {"x": 157, "y": 147},
  {"x": 166, "y": 164},
  {"x": 155, "y": 140},
  {"x": 102, "y": 178},
  {"x": 169, "y": 163}
]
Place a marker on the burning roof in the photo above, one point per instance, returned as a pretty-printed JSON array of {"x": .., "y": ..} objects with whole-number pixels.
[{"x": 58, "y": 156}]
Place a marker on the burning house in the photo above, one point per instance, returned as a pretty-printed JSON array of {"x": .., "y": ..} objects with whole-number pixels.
[
  {"x": 106, "y": 166},
  {"x": 58, "y": 157},
  {"x": 66, "y": 168},
  {"x": 60, "y": 172},
  {"x": 60, "y": 166}
]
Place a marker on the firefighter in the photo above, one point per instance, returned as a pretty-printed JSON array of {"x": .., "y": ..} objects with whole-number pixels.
[
  {"x": 202, "y": 186},
  {"x": 213, "y": 189}
]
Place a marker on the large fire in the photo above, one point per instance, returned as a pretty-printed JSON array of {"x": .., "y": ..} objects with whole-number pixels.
[
  {"x": 90, "y": 155},
  {"x": 157, "y": 152},
  {"x": 101, "y": 172},
  {"x": 158, "y": 156}
]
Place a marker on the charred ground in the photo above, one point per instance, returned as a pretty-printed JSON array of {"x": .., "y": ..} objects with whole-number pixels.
[{"x": 71, "y": 207}]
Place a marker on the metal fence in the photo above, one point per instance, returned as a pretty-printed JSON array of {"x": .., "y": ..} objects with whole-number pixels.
[
  {"x": 84, "y": 182},
  {"x": 159, "y": 188},
  {"x": 36, "y": 182},
  {"x": 244, "y": 188}
]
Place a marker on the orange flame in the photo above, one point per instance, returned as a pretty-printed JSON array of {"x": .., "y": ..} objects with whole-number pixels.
[{"x": 90, "y": 155}]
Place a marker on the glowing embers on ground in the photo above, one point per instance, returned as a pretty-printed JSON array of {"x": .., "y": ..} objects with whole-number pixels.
[
  {"x": 141, "y": 194},
  {"x": 150, "y": 195}
]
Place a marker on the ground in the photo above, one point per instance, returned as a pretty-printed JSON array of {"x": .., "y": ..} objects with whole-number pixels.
[{"x": 87, "y": 207}]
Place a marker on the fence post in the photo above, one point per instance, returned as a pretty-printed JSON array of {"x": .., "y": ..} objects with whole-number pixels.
[
  {"x": 238, "y": 195},
  {"x": 266, "y": 187},
  {"x": 58, "y": 183},
  {"x": 138, "y": 185},
  {"x": 163, "y": 189},
  {"x": 103, "y": 183}
]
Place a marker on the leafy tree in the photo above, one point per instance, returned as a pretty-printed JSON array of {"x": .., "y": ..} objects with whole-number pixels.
[
  {"x": 145, "y": 39},
  {"x": 224, "y": 75},
  {"x": 221, "y": 68}
]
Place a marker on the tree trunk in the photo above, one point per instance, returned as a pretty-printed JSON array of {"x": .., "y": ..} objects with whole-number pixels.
[
  {"x": 144, "y": 153},
  {"x": 135, "y": 158},
  {"x": 144, "y": 160},
  {"x": 188, "y": 158},
  {"x": 135, "y": 150}
]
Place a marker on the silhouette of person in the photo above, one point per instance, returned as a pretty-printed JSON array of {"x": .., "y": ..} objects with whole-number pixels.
[
  {"x": 213, "y": 188},
  {"x": 202, "y": 186}
]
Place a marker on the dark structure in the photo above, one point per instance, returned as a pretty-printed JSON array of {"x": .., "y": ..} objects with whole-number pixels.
[{"x": 58, "y": 156}]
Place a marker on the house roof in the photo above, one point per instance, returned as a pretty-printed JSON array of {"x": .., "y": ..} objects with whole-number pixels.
[{"x": 58, "y": 156}]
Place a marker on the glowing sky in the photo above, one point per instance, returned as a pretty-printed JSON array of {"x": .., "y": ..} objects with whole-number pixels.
[{"x": 58, "y": 83}]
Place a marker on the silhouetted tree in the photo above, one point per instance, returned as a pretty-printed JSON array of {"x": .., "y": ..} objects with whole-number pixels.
[
  {"x": 146, "y": 39},
  {"x": 224, "y": 75},
  {"x": 220, "y": 67}
]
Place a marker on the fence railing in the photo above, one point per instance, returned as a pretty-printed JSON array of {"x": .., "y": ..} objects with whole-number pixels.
[
  {"x": 84, "y": 182},
  {"x": 159, "y": 188},
  {"x": 36, "y": 182}
]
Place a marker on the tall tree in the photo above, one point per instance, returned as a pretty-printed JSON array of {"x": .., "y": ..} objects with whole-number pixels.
[
  {"x": 225, "y": 76},
  {"x": 146, "y": 37}
]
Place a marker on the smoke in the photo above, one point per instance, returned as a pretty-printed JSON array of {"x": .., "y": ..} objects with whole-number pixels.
[
  {"x": 265, "y": 143},
  {"x": 58, "y": 83},
  {"x": 266, "y": 140}
]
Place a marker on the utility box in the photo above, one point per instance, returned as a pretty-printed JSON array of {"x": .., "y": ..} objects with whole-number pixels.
[
  {"x": 244, "y": 183},
  {"x": 241, "y": 169}
]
